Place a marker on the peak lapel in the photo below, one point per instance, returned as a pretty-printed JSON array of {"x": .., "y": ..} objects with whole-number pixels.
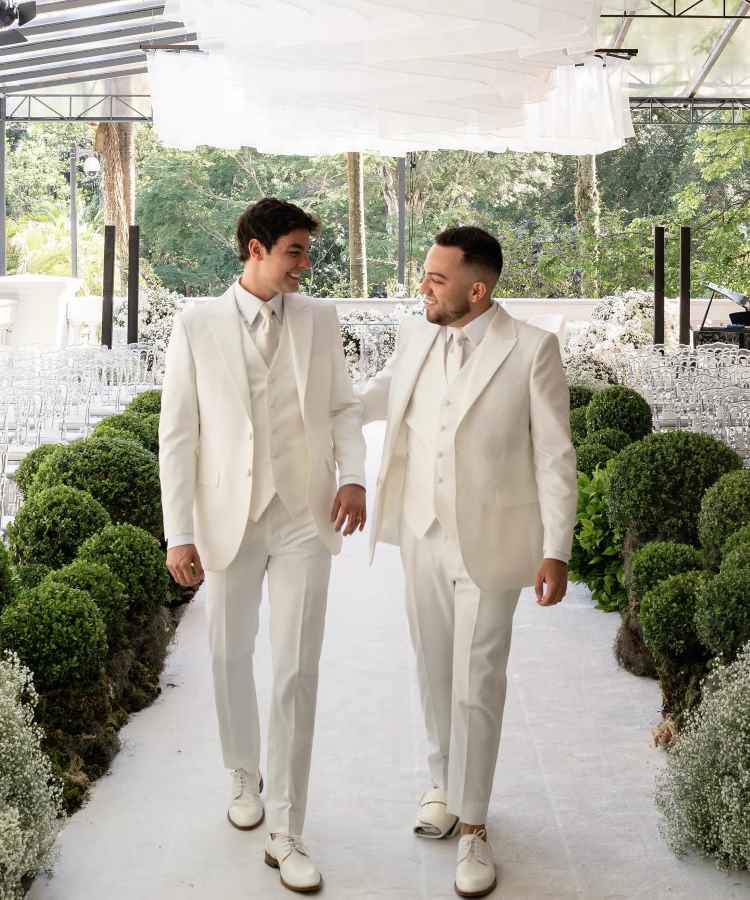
[
  {"x": 419, "y": 346},
  {"x": 226, "y": 328},
  {"x": 490, "y": 355},
  {"x": 299, "y": 319}
]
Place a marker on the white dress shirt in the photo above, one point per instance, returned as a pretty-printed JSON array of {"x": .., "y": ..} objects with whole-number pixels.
[{"x": 473, "y": 331}]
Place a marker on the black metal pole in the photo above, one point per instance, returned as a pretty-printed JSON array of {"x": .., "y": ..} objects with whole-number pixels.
[
  {"x": 108, "y": 285},
  {"x": 134, "y": 244},
  {"x": 685, "y": 285},
  {"x": 659, "y": 284},
  {"x": 402, "y": 220}
]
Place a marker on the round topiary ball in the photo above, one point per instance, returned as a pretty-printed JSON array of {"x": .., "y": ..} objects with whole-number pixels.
[
  {"x": 29, "y": 465},
  {"x": 667, "y": 614},
  {"x": 580, "y": 395},
  {"x": 52, "y": 524},
  {"x": 657, "y": 484},
  {"x": 137, "y": 560},
  {"x": 722, "y": 614},
  {"x": 622, "y": 408},
  {"x": 8, "y": 585},
  {"x": 31, "y": 574},
  {"x": 578, "y": 425},
  {"x": 610, "y": 437},
  {"x": 739, "y": 558},
  {"x": 146, "y": 404},
  {"x": 105, "y": 590},
  {"x": 120, "y": 474},
  {"x": 590, "y": 456},
  {"x": 58, "y": 632},
  {"x": 724, "y": 509},
  {"x": 657, "y": 560},
  {"x": 739, "y": 538},
  {"x": 139, "y": 428}
]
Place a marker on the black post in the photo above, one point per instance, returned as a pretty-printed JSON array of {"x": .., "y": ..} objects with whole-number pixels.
[
  {"x": 402, "y": 221},
  {"x": 108, "y": 285},
  {"x": 659, "y": 284},
  {"x": 685, "y": 285},
  {"x": 134, "y": 244}
]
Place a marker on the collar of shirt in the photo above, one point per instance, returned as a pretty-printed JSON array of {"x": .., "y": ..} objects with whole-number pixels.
[
  {"x": 474, "y": 330},
  {"x": 250, "y": 304}
]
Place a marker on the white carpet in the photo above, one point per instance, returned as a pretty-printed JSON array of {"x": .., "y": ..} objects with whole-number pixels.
[{"x": 572, "y": 814}]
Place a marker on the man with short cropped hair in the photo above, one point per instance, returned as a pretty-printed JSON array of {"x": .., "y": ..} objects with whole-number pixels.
[
  {"x": 257, "y": 415},
  {"x": 478, "y": 486}
]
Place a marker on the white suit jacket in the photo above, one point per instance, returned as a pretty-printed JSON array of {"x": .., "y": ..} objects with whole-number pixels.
[
  {"x": 516, "y": 486},
  {"x": 206, "y": 425}
]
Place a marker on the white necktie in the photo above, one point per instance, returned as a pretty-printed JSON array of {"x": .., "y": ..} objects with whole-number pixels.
[
  {"x": 266, "y": 334},
  {"x": 455, "y": 356}
]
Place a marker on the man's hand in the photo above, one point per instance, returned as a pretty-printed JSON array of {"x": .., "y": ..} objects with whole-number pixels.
[
  {"x": 553, "y": 574},
  {"x": 350, "y": 507},
  {"x": 184, "y": 565}
]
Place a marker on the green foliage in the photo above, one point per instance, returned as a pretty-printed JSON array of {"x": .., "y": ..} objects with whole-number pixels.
[
  {"x": 578, "y": 425},
  {"x": 146, "y": 404},
  {"x": 105, "y": 590},
  {"x": 737, "y": 539},
  {"x": 657, "y": 484},
  {"x": 8, "y": 586},
  {"x": 735, "y": 559},
  {"x": 137, "y": 560},
  {"x": 722, "y": 616},
  {"x": 667, "y": 613},
  {"x": 622, "y": 408},
  {"x": 580, "y": 395},
  {"x": 590, "y": 456},
  {"x": 596, "y": 560},
  {"x": 610, "y": 437},
  {"x": 144, "y": 429},
  {"x": 29, "y": 465},
  {"x": 31, "y": 574},
  {"x": 657, "y": 560},
  {"x": 119, "y": 473},
  {"x": 52, "y": 524},
  {"x": 725, "y": 508},
  {"x": 58, "y": 632}
]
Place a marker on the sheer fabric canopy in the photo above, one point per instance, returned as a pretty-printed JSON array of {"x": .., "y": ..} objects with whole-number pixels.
[{"x": 316, "y": 76}]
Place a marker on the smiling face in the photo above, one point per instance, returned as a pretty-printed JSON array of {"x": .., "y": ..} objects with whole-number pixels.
[
  {"x": 455, "y": 292},
  {"x": 278, "y": 270}
]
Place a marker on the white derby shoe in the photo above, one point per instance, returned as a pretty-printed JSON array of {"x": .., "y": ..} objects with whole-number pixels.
[
  {"x": 288, "y": 854},
  {"x": 475, "y": 870},
  {"x": 433, "y": 819},
  {"x": 246, "y": 808}
]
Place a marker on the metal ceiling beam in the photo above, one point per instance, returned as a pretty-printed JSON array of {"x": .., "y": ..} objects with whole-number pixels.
[
  {"x": 73, "y": 79},
  {"x": 622, "y": 32},
  {"x": 716, "y": 111},
  {"x": 145, "y": 31},
  {"x": 97, "y": 108},
  {"x": 90, "y": 54},
  {"x": 86, "y": 22},
  {"x": 58, "y": 6},
  {"x": 717, "y": 49},
  {"x": 671, "y": 9},
  {"x": 90, "y": 66}
]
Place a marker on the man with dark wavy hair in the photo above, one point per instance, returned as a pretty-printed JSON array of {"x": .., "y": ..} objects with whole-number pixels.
[{"x": 257, "y": 415}]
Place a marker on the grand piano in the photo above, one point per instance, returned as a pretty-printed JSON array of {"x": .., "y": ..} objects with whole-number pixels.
[{"x": 737, "y": 332}]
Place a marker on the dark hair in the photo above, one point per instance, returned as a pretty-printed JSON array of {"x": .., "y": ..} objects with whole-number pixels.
[
  {"x": 268, "y": 220},
  {"x": 479, "y": 247}
]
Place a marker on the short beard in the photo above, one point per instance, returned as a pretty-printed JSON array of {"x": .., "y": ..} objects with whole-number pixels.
[{"x": 451, "y": 316}]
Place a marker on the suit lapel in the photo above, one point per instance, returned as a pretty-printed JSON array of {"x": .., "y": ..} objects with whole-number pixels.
[
  {"x": 226, "y": 329},
  {"x": 298, "y": 318},
  {"x": 490, "y": 355}
]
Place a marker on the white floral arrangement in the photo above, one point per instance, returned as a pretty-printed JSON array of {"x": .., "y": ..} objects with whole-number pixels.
[
  {"x": 369, "y": 337},
  {"x": 704, "y": 791},
  {"x": 156, "y": 311},
  {"x": 31, "y": 812}
]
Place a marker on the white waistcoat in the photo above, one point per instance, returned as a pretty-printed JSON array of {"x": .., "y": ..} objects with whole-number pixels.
[
  {"x": 280, "y": 458},
  {"x": 431, "y": 420}
]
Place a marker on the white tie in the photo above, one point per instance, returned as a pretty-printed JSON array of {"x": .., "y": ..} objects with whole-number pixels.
[
  {"x": 266, "y": 334},
  {"x": 455, "y": 356}
]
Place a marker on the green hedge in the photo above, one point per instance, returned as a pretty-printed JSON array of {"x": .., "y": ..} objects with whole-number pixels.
[
  {"x": 31, "y": 574},
  {"x": 52, "y": 524},
  {"x": 29, "y": 465},
  {"x": 8, "y": 585},
  {"x": 141, "y": 428},
  {"x": 578, "y": 425},
  {"x": 739, "y": 538},
  {"x": 667, "y": 617},
  {"x": 722, "y": 616},
  {"x": 611, "y": 437},
  {"x": 580, "y": 395},
  {"x": 58, "y": 632},
  {"x": 724, "y": 509},
  {"x": 118, "y": 472},
  {"x": 146, "y": 404},
  {"x": 622, "y": 408},
  {"x": 658, "y": 560},
  {"x": 590, "y": 456}
]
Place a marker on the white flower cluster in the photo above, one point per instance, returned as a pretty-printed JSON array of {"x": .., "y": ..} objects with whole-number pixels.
[
  {"x": 30, "y": 799},
  {"x": 156, "y": 311},
  {"x": 369, "y": 337},
  {"x": 704, "y": 792}
]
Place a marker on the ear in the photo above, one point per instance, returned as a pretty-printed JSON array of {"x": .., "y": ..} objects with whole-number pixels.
[
  {"x": 479, "y": 292},
  {"x": 257, "y": 250}
]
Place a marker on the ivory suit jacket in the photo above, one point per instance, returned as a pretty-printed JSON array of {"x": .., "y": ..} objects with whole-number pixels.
[
  {"x": 206, "y": 425},
  {"x": 516, "y": 487}
]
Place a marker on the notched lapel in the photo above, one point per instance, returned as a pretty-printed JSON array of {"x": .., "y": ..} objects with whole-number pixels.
[
  {"x": 490, "y": 355},
  {"x": 419, "y": 346},
  {"x": 299, "y": 319},
  {"x": 226, "y": 330}
]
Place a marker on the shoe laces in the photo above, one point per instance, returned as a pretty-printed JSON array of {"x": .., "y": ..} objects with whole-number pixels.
[
  {"x": 288, "y": 844},
  {"x": 476, "y": 847},
  {"x": 242, "y": 780}
]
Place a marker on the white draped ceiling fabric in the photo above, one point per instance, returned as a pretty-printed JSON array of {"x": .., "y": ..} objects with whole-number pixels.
[{"x": 390, "y": 76}]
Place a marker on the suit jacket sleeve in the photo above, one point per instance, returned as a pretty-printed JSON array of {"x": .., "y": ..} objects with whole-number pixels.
[
  {"x": 554, "y": 456},
  {"x": 346, "y": 419},
  {"x": 178, "y": 435}
]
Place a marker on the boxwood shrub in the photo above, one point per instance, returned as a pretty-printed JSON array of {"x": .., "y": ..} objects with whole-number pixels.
[
  {"x": 739, "y": 558},
  {"x": 591, "y": 456},
  {"x": 53, "y": 523},
  {"x": 724, "y": 509},
  {"x": 667, "y": 617},
  {"x": 722, "y": 615},
  {"x": 658, "y": 483},
  {"x": 139, "y": 428},
  {"x": 31, "y": 574},
  {"x": 107, "y": 591},
  {"x": 657, "y": 560},
  {"x": 580, "y": 395},
  {"x": 29, "y": 465},
  {"x": 58, "y": 632},
  {"x": 137, "y": 560},
  {"x": 739, "y": 538},
  {"x": 620, "y": 407},
  {"x": 578, "y": 425},
  {"x": 610, "y": 437},
  {"x": 8, "y": 584},
  {"x": 118, "y": 472},
  {"x": 146, "y": 404}
]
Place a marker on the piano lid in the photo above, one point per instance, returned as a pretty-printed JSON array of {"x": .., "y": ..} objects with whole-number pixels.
[{"x": 740, "y": 299}]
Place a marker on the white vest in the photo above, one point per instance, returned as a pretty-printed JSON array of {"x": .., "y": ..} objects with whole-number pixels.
[
  {"x": 431, "y": 420},
  {"x": 280, "y": 459}
]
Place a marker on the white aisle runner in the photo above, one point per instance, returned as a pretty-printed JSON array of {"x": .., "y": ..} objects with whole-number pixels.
[{"x": 572, "y": 814}]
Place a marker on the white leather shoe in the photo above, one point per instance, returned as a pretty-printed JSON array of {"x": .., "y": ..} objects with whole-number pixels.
[
  {"x": 288, "y": 854},
  {"x": 475, "y": 870},
  {"x": 246, "y": 808},
  {"x": 433, "y": 819}
]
